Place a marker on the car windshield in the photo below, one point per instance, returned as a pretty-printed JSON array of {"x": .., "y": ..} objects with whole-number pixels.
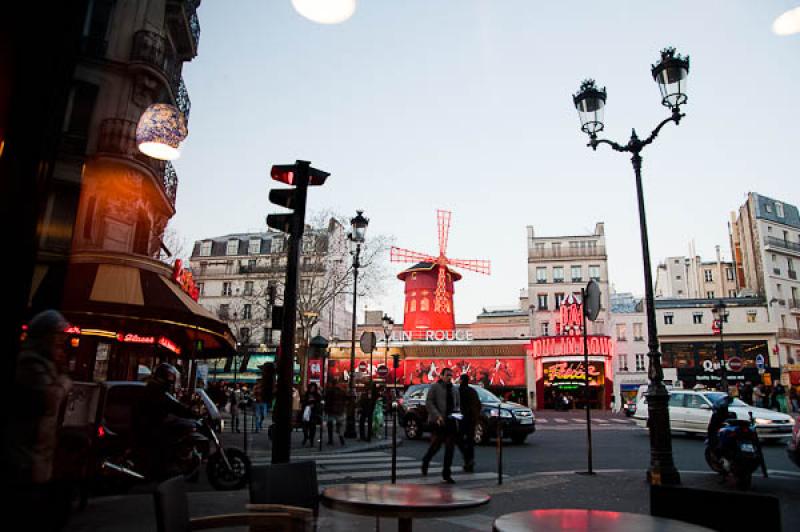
[
  {"x": 486, "y": 396},
  {"x": 716, "y": 396}
]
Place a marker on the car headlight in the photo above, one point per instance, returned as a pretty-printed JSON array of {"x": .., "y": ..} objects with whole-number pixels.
[
  {"x": 505, "y": 413},
  {"x": 762, "y": 421},
  {"x": 493, "y": 412}
]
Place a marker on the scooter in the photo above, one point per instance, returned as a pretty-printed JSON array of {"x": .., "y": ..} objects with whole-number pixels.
[
  {"x": 629, "y": 408},
  {"x": 733, "y": 448},
  {"x": 227, "y": 469}
]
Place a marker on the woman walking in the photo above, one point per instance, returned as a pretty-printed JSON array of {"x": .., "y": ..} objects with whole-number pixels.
[{"x": 311, "y": 412}]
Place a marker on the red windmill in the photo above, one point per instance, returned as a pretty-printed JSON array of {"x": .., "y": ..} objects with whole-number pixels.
[{"x": 431, "y": 280}]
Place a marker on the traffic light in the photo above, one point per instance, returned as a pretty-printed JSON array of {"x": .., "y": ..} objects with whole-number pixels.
[{"x": 301, "y": 175}]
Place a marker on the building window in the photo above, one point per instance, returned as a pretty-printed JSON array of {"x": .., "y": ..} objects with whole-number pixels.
[
  {"x": 539, "y": 248},
  {"x": 558, "y": 274},
  {"x": 201, "y": 288},
  {"x": 308, "y": 244},
  {"x": 710, "y": 294},
  {"x": 697, "y": 318},
  {"x": 424, "y": 304},
  {"x": 233, "y": 247},
  {"x": 623, "y": 362},
  {"x": 768, "y": 207},
  {"x": 247, "y": 312},
  {"x": 678, "y": 277},
  {"x": 637, "y": 332},
  {"x": 731, "y": 293},
  {"x": 559, "y": 300},
  {"x": 251, "y": 265},
  {"x": 224, "y": 310},
  {"x": 545, "y": 328},
  {"x": 248, "y": 288},
  {"x": 226, "y": 289},
  {"x": 205, "y": 248},
  {"x": 244, "y": 334},
  {"x": 621, "y": 332},
  {"x": 541, "y": 275},
  {"x": 640, "y": 362},
  {"x": 729, "y": 274},
  {"x": 779, "y": 209},
  {"x": 305, "y": 286},
  {"x": 556, "y": 249},
  {"x": 576, "y": 274},
  {"x": 255, "y": 246},
  {"x": 542, "y": 298},
  {"x": 709, "y": 277},
  {"x": 594, "y": 273},
  {"x": 751, "y": 316},
  {"x": 668, "y": 318}
]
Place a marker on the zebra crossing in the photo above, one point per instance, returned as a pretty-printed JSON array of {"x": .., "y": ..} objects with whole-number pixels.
[
  {"x": 573, "y": 422},
  {"x": 376, "y": 467}
]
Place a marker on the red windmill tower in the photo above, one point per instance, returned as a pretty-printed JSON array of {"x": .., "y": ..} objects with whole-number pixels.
[{"x": 429, "y": 284}]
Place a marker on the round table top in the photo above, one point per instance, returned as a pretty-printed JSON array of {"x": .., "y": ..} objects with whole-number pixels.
[
  {"x": 401, "y": 500},
  {"x": 545, "y": 520}
]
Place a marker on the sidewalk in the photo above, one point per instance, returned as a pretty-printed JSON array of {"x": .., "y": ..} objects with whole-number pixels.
[{"x": 611, "y": 490}]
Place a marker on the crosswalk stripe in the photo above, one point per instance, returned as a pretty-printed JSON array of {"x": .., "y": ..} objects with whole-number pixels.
[
  {"x": 354, "y": 460},
  {"x": 540, "y": 420},
  {"x": 560, "y": 420},
  {"x": 601, "y": 421},
  {"x": 621, "y": 421},
  {"x": 578, "y": 420},
  {"x": 458, "y": 477},
  {"x": 387, "y": 464},
  {"x": 406, "y": 472},
  {"x": 323, "y": 456}
]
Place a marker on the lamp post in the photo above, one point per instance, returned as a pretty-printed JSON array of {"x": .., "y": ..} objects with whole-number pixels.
[
  {"x": 358, "y": 231},
  {"x": 670, "y": 73},
  {"x": 388, "y": 325},
  {"x": 721, "y": 315}
]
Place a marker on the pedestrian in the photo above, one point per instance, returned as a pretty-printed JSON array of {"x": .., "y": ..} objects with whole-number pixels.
[
  {"x": 613, "y": 405},
  {"x": 758, "y": 396},
  {"x": 747, "y": 393},
  {"x": 366, "y": 407},
  {"x": 442, "y": 402},
  {"x": 311, "y": 404},
  {"x": 335, "y": 403},
  {"x": 30, "y": 437},
  {"x": 793, "y": 399},
  {"x": 780, "y": 398},
  {"x": 470, "y": 405},
  {"x": 234, "y": 397},
  {"x": 267, "y": 388}
]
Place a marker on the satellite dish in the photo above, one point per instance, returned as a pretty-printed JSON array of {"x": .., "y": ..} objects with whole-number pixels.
[
  {"x": 368, "y": 341},
  {"x": 591, "y": 301}
]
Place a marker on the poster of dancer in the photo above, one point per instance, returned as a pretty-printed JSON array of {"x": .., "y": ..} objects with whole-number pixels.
[{"x": 488, "y": 372}]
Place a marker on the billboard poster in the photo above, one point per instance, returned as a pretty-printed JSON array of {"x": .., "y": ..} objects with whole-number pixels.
[{"x": 495, "y": 372}]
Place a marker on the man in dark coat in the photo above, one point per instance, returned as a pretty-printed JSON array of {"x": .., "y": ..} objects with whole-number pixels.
[
  {"x": 442, "y": 402},
  {"x": 470, "y": 412},
  {"x": 335, "y": 404}
]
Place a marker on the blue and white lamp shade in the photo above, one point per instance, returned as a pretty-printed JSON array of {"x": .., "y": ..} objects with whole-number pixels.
[{"x": 160, "y": 131}]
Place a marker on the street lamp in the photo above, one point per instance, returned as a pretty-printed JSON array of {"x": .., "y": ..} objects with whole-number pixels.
[
  {"x": 358, "y": 227},
  {"x": 721, "y": 315},
  {"x": 388, "y": 325},
  {"x": 670, "y": 73}
]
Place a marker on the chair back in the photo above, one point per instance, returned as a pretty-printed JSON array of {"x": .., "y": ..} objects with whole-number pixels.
[
  {"x": 717, "y": 510},
  {"x": 293, "y": 484},
  {"x": 172, "y": 506}
]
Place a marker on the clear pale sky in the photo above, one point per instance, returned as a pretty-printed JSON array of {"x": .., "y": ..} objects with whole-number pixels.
[{"x": 466, "y": 105}]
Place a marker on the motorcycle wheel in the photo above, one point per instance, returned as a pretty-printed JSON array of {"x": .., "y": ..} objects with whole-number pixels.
[{"x": 223, "y": 479}]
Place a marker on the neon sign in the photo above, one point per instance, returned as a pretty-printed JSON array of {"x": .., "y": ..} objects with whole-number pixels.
[
  {"x": 570, "y": 373},
  {"x": 185, "y": 280},
  {"x": 571, "y": 316},
  {"x": 433, "y": 336},
  {"x": 132, "y": 338},
  {"x": 548, "y": 346},
  {"x": 166, "y": 343}
]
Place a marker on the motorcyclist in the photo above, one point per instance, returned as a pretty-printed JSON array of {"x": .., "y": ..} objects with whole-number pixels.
[
  {"x": 720, "y": 414},
  {"x": 161, "y": 421}
]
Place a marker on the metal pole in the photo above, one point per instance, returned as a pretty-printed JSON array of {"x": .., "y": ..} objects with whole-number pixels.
[
  {"x": 282, "y": 416},
  {"x": 499, "y": 446},
  {"x": 662, "y": 468},
  {"x": 350, "y": 426},
  {"x": 388, "y": 395},
  {"x": 723, "y": 370},
  {"x": 586, "y": 386},
  {"x": 395, "y": 364},
  {"x": 244, "y": 410}
]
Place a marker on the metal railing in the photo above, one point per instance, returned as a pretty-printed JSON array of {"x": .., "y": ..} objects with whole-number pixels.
[
  {"x": 794, "y": 304},
  {"x": 781, "y": 243},
  {"x": 788, "y": 333},
  {"x": 566, "y": 253}
]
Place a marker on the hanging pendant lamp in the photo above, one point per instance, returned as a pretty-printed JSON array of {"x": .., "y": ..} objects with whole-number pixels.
[
  {"x": 160, "y": 131},
  {"x": 325, "y": 11}
]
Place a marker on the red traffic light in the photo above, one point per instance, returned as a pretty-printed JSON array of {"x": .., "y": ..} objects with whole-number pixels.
[
  {"x": 283, "y": 173},
  {"x": 289, "y": 173}
]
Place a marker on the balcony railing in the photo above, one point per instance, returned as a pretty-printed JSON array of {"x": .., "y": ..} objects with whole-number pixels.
[
  {"x": 261, "y": 269},
  {"x": 118, "y": 137},
  {"x": 596, "y": 251},
  {"x": 182, "y": 100},
  {"x": 794, "y": 304},
  {"x": 781, "y": 243},
  {"x": 788, "y": 333},
  {"x": 152, "y": 49},
  {"x": 184, "y": 25},
  {"x": 793, "y": 274}
]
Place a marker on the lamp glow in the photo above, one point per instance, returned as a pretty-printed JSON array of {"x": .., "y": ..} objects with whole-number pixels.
[
  {"x": 788, "y": 23},
  {"x": 325, "y": 11},
  {"x": 160, "y": 131}
]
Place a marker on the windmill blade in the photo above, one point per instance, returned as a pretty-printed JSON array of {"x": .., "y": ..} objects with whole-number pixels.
[
  {"x": 440, "y": 304},
  {"x": 406, "y": 255},
  {"x": 480, "y": 266},
  {"x": 443, "y": 219}
]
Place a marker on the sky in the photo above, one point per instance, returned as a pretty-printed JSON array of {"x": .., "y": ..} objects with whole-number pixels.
[{"x": 466, "y": 105}]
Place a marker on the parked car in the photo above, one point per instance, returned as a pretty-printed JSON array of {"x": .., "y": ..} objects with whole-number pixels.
[
  {"x": 518, "y": 420},
  {"x": 793, "y": 447},
  {"x": 690, "y": 412}
]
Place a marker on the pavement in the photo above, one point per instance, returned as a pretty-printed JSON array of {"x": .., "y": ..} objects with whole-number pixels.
[{"x": 538, "y": 474}]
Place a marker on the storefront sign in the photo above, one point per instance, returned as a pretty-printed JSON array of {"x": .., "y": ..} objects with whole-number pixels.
[
  {"x": 166, "y": 343},
  {"x": 432, "y": 336},
  {"x": 486, "y": 371},
  {"x": 314, "y": 370},
  {"x": 571, "y": 316},
  {"x": 131, "y": 338},
  {"x": 548, "y": 346},
  {"x": 185, "y": 280},
  {"x": 568, "y": 373}
]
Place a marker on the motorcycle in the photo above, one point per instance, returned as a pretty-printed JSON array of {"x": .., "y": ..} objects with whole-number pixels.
[
  {"x": 733, "y": 448},
  {"x": 227, "y": 469}
]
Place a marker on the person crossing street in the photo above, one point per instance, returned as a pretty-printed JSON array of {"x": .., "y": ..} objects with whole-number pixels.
[
  {"x": 442, "y": 402},
  {"x": 470, "y": 411}
]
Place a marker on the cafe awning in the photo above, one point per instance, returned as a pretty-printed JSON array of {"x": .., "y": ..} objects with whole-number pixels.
[{"x": 130, "y": 294}]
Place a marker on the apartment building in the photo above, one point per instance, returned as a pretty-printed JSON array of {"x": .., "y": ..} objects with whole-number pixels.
[{"x": 691, "y": 277}]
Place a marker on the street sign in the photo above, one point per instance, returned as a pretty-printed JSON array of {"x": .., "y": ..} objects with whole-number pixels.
[
  {"x": 760, "y": 361},
  {"x": 715, "y": 327},
  {"x": 592, "y": 304},
  {"x": 362, "y": 366},
  {"x": 382, "y": 371},
  {"x": 368, "y": 341},
  {"x": 735, "y": 364}
]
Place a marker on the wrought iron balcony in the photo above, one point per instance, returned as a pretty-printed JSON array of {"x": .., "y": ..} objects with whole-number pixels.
[
  {"x": 566, "y": 253},
  {"x": 771, "y": 241},
  {"x": 170, "y": 183},
  {"x": 788, "y": 333},
  {"x": 182, "y": 99},
  {"x": 184, "y": 25},
  {"x": 151, "y": 48},
  {"x": 794, "y": 304}
]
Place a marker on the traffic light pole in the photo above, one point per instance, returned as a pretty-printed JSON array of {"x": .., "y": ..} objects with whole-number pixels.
[{"x": 282, "y": 435}]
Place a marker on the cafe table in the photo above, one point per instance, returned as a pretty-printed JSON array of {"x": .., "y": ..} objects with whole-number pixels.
[
  {"x": 547, "y": 520},
  {"x": 402, "y": 501}
]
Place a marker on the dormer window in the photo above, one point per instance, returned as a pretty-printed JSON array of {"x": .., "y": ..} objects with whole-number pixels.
[
  {"x": 779, "y": 209},
  {"x": 255, "y": 246},
  {"x": 205, "y": 248},
  {"x": 233, "y": 247}
]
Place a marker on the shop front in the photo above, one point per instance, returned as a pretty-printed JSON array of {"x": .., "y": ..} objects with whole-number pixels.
[{"x": 699, "y": 363}]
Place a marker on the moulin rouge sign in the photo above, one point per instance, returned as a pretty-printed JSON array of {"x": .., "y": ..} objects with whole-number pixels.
[{"x": 570, "y": 341}]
